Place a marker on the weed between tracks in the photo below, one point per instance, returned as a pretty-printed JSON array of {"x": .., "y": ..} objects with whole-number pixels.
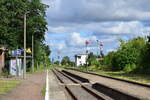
[{"x": 43, "y": 91}]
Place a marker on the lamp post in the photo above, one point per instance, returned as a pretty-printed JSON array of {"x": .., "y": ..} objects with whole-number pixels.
[
  {"x": 32, "y": 53},
  {"x": 97, "y": 48},
  {"x": 25, "y": 34},
  {"x": 24, "y": 64}
]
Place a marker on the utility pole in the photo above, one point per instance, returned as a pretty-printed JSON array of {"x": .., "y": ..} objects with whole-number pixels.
[
  {"x": 59, "y": 57},
  {"x": 24, "y": 67},
  {"x": 86, "y": 44},
  {"x": 101, "y": 49},
  {"x": 32, "y": 53},
  {"x": 17, "y": 67},
  {"x": 97, "y": 48}
]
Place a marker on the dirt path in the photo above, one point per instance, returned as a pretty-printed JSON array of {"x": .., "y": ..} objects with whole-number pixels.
[{"x": 30, "y": 89}]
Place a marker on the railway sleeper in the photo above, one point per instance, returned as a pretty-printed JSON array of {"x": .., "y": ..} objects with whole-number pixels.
[
  {"x": 113, "y": 93},
  {"x": 83, "y": 80}
]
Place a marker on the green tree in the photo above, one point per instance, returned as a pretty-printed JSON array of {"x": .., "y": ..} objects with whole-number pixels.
[
  {"x": 128, "y": 54},
  {"x": 12, "y": 21},
  {"x": 108, "y": 58},
  {"x": 65, "y": 60},
  {"x": 144, "y": 62},
  {"x": 92, "y": 60},
  {"x": 56, "y": 62}
]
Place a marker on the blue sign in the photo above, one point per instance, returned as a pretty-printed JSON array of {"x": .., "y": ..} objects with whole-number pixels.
[{"x": 17, "y": 52}]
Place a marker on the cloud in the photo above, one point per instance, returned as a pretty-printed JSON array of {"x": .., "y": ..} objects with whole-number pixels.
[
  {"x": 99, "y": 10},
  {"x": 61, "y": 46},
  {"x": 131, "y": 27},
  {"x": 76, "y": 39},
  {"x": 101, "y": 16},
  {"x": 104, "y": 20},
  {"x": 110, "y": 50}
]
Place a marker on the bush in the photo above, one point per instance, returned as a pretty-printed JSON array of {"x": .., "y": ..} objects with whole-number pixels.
[
  {"x": 129, "y": 67},
  {"x": 128, "y": 55}
]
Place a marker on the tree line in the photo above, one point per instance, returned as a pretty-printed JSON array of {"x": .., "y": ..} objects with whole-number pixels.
[
  {"x": 12, "y": 26},
  {"x": 131, "y": 56}
]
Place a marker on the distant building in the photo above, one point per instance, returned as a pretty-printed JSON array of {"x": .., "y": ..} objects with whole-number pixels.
[{"x": 80, "y": 59}]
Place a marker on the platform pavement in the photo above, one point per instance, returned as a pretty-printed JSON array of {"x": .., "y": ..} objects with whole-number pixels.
[{"x": 55, "y": 91}]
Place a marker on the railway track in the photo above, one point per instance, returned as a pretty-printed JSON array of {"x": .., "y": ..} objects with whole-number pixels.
[
  {"x": 79, "y": 88},
  {"x": 109, "y": 77}
]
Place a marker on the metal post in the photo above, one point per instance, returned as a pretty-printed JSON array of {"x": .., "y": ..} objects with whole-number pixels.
[
  {"x": 17, "y": 67},
  {"x": 32, "y": 53},
  {"x": 37, "y": 65},
  {"x": 97, "y": 48},
  {"x": 24, "y": 67},
  {"x": 86, "y": 44}
]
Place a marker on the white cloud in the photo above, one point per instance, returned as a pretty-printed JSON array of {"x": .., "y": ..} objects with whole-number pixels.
[
  {"x": 61, "y": 46},
  {"x": 133, "y": 27},
  {"x": 110, "y": 50},
  {"x": 99, "y": 10},
  {"x": 77, "y": 39},
  {"x": 100, "y": 17},
  {"x": 103, "y": 16}
]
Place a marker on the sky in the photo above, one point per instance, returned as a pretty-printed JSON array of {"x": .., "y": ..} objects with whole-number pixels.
[{"x": 72, "y": 22}]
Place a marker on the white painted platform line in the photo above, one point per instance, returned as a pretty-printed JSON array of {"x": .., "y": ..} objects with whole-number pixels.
[{"x": 47, "y": 87}]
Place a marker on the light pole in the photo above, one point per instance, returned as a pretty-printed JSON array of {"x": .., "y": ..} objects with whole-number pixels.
[
  {"x": 25, "y": 34},
  {"x": 86, "y": 44},
  {"x": 97, "y": 47},
  {"x": 24, "y": 66},
  {"x": 32, "y": 53}
]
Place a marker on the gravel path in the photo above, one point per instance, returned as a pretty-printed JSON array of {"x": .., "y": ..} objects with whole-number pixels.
[
  {"x": 30, "y": 89},
  {"x": 140, "y": 91}
]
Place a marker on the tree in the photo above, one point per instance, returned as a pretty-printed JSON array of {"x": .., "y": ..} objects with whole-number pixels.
[
  {"x": 128, "y": 55},
  {"x": 144, "y": 62},
  {"x": 92, "y": 60},
  {"x": 108, "y": 58},
  {"x": 65, "y": 60},
  {"x": 11, "y": 26},
  {"x": 56, "y": 62}
]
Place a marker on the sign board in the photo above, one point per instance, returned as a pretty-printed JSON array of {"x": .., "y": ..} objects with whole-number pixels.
[
  {"x": 16, "y": 67},
  {"x": 16, "y": 52}
]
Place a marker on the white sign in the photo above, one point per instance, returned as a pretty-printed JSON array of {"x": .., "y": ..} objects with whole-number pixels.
[{"x": 16, "y": 67}]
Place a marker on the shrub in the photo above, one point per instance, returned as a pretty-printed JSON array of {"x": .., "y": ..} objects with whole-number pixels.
[
  {"x": 129, "y": 67},
  {"x": 128, "y": 55}
]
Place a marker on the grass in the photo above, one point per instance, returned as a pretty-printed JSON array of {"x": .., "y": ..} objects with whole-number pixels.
[
  {"x": 40, "y": 69},
  {"x": 43, "y": 91},
  {"x": 141, "y": 78},
  {"x": 8, "y": 85}
]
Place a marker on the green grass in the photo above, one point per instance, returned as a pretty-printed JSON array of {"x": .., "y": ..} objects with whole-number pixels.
[
  {"x": 7, "y": 85},
  {"x": 142, "y": 78},
  {"x": 43, "y": 91},
  {"x": 41, "y": 69}
]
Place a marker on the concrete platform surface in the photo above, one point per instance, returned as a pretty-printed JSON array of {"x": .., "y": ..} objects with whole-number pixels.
[{"x": 55, "y": 90}]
